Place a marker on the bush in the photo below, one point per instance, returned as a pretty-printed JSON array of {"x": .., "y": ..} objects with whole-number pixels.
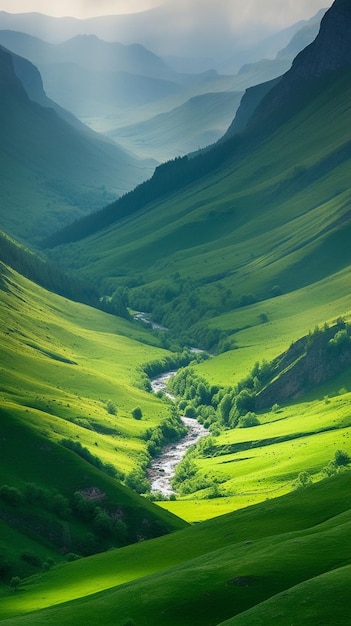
[
  {"x": 137, "y": 481},
  {"x": 137, "y": 413},
  {"x": 10, "y": 495},
  {"x": 15, "y": 582},
  {"x": 341, "y": 458},
  {"x": 249, "y": 420},
  {"x": 111, "y": 407},
  {"x": 303, "y": 480}
]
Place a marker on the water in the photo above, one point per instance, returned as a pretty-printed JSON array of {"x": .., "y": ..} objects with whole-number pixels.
[{"x": 163, "y": 468}]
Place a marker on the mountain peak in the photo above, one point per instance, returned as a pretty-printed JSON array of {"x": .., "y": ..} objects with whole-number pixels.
[
  {"x": 331, "y": 49},
  {"x": 329, "y": 52}
]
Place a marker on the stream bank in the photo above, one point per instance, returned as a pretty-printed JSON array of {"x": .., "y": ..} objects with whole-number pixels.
[{"x": 162, "y": 468}]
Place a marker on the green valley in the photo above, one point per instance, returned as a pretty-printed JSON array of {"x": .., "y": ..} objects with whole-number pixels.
[{"x": 228, "y": 271}]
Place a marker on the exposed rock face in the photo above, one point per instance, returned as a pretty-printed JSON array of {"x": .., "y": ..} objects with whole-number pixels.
[
  {"x": 330, "y": 51},
  {"x": 309, "y": 362}
]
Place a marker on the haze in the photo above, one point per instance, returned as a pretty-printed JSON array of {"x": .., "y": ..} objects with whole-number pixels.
[{"x": 276, "y": 13}]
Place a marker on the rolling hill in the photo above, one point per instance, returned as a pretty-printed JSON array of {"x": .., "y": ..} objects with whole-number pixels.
[{"x": 244, "y": 566}]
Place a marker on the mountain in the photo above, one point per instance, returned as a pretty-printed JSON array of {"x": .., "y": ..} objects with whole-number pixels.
[
  {"x": 56, "y": 167},
  {"x": 328, "y": 53},
  {"x": 193, "y": 125},
  {"x": 264, "y": 209},
  {"x": 220, "y": 28}
]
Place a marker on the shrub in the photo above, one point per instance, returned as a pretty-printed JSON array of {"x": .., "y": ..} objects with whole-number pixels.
[
  {"x": 10, "y": 495},
  {"x": 137, "y": 481},
  {"x": 303, "y": 480},
  {"x": 249, "y": 420},
  {"x": 111, "y": 407},
  {"x": 137, "y": 413},
  {"x": 15, "y": 582},
  {"x": 341, "y": 458}
]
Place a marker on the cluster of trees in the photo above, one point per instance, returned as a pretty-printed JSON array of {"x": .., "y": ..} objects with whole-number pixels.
[
  {"x": 338, "y": 464},
  {"x": 215, "y": 407},
  {"x": 172, "y": 362},
  {"x": 75, "y": 526}
]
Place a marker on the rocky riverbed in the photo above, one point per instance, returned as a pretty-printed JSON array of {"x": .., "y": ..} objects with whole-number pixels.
[{"x": 163, "y": 468}]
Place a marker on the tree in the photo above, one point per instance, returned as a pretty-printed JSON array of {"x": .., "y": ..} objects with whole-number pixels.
[
  {"x": 225, "y": 407},
  {"x": 341, "y": 458},
  {"x": 111, "y": 407},
  {"x": 137, "y": 413},
  {"x": 249, "y": 420},
  {"x": 15, "y": 582}
]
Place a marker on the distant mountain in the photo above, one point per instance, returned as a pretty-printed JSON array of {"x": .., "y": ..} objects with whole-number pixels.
[
  {"x": 52, "y": 168},
  {"x": 92, "y": 77},
  {"x": 199, "y": 122},
  {"x": 214, "y": 28}
]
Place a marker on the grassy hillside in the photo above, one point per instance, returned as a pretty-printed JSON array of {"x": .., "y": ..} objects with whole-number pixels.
[
  {"x": 207, "y": 573},
  {"x": 70, "y": 379},
  {"x": 260, "y": 229}
]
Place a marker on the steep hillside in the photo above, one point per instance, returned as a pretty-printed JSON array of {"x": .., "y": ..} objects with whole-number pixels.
[
  {"x": 57, "y": 172},
  {"x": 269, "y": 218},
  {"x": 70, "y": 379}
]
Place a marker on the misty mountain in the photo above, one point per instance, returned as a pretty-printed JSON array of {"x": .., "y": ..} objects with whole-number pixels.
[
  {"x": 197, "y": 123},
  {"x": 162, "y": 30},
  {"x": 53, "y": 170}
]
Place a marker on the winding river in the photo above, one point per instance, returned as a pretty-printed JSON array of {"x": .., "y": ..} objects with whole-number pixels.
[{"x": 162, "y": 469}]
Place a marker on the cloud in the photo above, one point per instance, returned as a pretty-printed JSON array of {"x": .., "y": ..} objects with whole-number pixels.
[{"x": 77, "y": 8}]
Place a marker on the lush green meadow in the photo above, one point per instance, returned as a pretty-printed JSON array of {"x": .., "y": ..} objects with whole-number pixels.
[
  {"x": 204, "y": 574},
  {"x": 70, "y": 373}
]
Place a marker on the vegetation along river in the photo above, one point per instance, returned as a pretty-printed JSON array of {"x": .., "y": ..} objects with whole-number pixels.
[{"x": 162, "y": 469}]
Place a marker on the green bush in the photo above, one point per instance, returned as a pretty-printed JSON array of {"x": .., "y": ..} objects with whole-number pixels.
[
  {"x": 137, "y": 413},
  {"x": 10, "y": 495},
  {"x": 111, "y": 407},
  {"x": 341, "y": 458},
  {"x": 249, "y": 420}
]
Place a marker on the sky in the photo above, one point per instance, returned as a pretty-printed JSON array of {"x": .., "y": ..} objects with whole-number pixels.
[
  {"x": 77, "y": 8},
  {"x": 276, "y": 12}
]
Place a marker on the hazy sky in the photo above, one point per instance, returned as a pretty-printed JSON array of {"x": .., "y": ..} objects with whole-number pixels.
[{"x": 280, "y": 12}]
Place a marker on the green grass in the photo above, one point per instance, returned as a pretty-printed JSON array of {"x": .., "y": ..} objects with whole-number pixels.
[
  {"x": 204, "y": 574},
  {"x": 304, "y": 603},
  {"x": 60, "y": 364},
  {"x": 260, "y": 221}
]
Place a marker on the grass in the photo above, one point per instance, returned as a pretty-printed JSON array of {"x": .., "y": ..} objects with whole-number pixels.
[
  {"x": 303, "y": 603},
  {"x": 201, "y": 575},
  {"x": 60, "y": 364}
]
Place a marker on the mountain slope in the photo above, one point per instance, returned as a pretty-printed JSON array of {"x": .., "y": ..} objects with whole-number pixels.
[
  {"x": 54, "y": 170},
  {"x": 271, "y": 209}
]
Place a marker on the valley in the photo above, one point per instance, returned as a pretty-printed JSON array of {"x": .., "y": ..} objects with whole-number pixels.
[{"x": 145, "y": 482}]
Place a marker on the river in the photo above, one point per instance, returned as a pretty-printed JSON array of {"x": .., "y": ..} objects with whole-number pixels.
[{"x": 162, "y": 469}]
